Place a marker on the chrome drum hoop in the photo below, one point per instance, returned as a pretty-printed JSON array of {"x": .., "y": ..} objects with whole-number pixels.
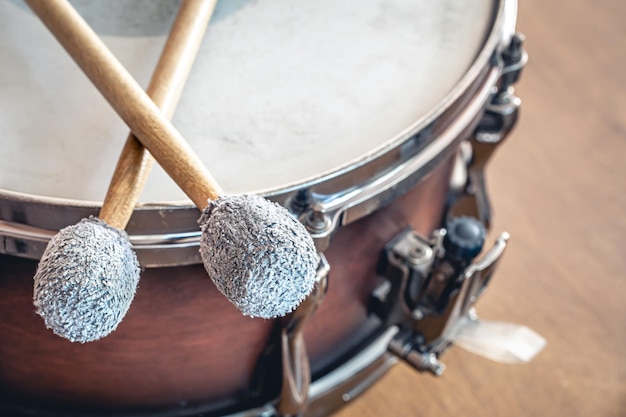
[{"x": 27, "y": 222}]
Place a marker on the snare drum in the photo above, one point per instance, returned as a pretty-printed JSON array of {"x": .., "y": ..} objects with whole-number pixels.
[{"x": 350, "y": 115}]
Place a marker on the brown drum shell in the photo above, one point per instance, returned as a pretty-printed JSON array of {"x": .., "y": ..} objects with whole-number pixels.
[{"x": 182, "y": 343}]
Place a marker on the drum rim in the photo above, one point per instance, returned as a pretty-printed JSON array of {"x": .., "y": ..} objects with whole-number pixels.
[
  {"x": 386, "y": 146},
  {"x": 16, "y": 209}
]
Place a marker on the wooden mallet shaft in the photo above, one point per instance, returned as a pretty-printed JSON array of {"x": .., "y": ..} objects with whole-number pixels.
[
  {"x": 128, "y": 99},
  {"x": 167, "y": 83}
]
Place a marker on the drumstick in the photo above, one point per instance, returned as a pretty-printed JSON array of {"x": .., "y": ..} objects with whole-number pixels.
[
  {"x": 65, "y": 309},
  {"x": 166, "y": 86},
  {"x": 258, "y": 255}
]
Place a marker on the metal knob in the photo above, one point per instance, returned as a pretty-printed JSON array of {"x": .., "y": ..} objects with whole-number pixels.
[{"x": 464, "y": 239}]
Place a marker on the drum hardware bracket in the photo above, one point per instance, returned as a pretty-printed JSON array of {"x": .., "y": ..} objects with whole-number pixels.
[
  {"x": 498, "y": 121},
  {"x": 296, "y": 377},
  {"x": 430, "y": 285}
]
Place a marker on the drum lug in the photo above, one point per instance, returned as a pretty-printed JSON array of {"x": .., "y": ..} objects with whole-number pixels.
[
  {"x": 310, "y": 212},
  {"x": 497, "y": 122},
  {"x": 321, "y": 226},
  {"x": 296, "y": 377},
  {"x": 432, "y": 284}
]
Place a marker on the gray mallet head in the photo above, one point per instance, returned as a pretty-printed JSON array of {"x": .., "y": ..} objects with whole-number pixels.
[
  {"x": 258, "y": 255},
  {"x": 86, "y": 280}
]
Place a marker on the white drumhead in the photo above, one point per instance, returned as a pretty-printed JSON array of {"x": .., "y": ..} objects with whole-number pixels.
[{"x": 282, "y": 90}]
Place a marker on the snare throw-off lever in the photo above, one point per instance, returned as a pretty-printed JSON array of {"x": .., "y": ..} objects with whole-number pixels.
[{"x": 430, "y": 292}]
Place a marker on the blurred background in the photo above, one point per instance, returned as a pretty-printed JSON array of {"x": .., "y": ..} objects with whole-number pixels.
[{"x": 558, "y": 185}]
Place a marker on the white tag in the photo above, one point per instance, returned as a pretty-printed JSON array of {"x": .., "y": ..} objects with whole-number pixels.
[{"x": 498, "y": 341}]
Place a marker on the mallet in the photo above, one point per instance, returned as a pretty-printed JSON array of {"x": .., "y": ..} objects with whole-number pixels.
[
  {"x": 258, "y": 255},
  {"x": 88, "y": 274}
]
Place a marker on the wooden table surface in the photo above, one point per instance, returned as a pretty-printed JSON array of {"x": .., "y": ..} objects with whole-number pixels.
[{"x": 558, "y": 186}]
